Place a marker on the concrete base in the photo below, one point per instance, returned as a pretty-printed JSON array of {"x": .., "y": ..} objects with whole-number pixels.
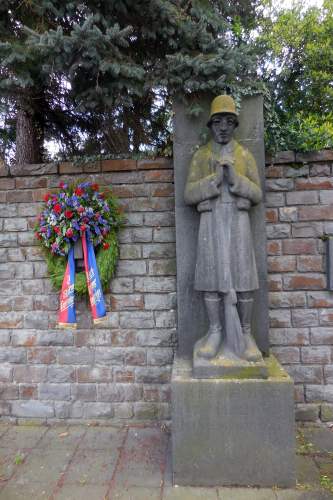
[{"x": 233, "y": 431}]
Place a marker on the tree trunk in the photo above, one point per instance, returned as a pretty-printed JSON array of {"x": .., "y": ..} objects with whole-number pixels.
[{"x": 29, "y": 130}]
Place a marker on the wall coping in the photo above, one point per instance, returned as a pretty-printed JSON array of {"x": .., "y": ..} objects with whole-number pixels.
[
  {"x": 99, "y": 166},
  {"x": 116, "y": 165}
]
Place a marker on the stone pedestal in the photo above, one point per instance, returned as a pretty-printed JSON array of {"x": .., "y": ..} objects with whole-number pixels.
[{"x": 233, "y": 431}]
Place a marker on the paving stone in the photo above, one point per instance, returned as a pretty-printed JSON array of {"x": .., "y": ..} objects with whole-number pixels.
[
  {"x": 186, "y": 493},
  {"x": 81, "y": 492},
  {"x": 142, "y": 458},
  {"x": 135, "y": 493},
  {"x": 100, "y": 438},
  {"x": 246, "y": 494},
  {"x": 20, "y": 437},
  {"x": 35, "y": 491},
  {"x": 61, "y": 437},
  {"x": 307, "y": 471},
  {"x": 304, "y": 495},
  {"x": 43, "y": 466},
  {"x": 7, "y": 463},
  {"x": 91, "y": 467}
]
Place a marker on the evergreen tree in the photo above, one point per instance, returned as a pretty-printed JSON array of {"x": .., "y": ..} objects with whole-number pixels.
[{"x": 99, "y": 75}]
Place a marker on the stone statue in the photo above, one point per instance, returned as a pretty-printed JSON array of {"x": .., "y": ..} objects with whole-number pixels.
[{"x": 223, "y": 183}]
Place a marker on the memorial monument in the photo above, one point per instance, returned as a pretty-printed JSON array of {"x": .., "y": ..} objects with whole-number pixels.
[{"x": 232, "y": 408}]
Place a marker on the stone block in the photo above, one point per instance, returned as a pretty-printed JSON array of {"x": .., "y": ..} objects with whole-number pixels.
[
  {"x": 322, "y": 335},
  {"x": 32, "y": 408},
  {"x": 289, "y": 336},
  {"x": 60, "y": 392},
  {"x": 160, "y": 356},
  {"x": 319, "y": 393},
  {"x": 232, "y": 432},
  {"x": 159, "y": 250},
  {"x": 153, "y": 375},
  {"x": 278, "y": 231},
  {"x": 98, "y": 410},
  {"x": 136, "y": 319},
  {"x": 307, "y": 412},
  {"x": 165, "y": 319},
  {"x": 304, "y": 317},
  {"x": 288, "y": 214},
  {"x": 119, "y": 392},
  {"x": 8, "y": 240},
  {"x": 279, "y": 184},
  {"x": 326, "y": 412},
  {"x": 157, "y": 337},
  {"x": 75, "y": 356},
  {"x": 84, "y": 392},
  {"x": 316, "y": 354},
  {"x": 131, "y": 268},
  {"x": 275, "y": 200}
]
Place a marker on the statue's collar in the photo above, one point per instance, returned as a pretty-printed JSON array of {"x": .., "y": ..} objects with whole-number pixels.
[{"x": 223, "y": 149}]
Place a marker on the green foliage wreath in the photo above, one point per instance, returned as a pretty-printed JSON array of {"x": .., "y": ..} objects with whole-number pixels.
[{"x": 66, "y": 214}]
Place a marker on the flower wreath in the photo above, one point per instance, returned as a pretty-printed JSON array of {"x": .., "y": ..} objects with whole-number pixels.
[{"x": 65, "y": 216}]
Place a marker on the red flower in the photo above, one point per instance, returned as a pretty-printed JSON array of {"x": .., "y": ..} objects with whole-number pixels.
[
  {"x": 95, "y": 187},
  {"x": 56, "y": 229},
  {"x": 69, "y": 232},
  {"x": 80, "y": 210},
  {"x": 79, "y": 191},
  {"x": 106, "y": 246},
  {"x": 38, "y": 236},
  {"x": 83, "y": 227},
  {"x": 57, "y": 208},
  {"x": 43, "y": 229},
  {"x": 61, "y": 185},
  {"x": 46, "y": 197},
  {"x": 68, "y": 214}
]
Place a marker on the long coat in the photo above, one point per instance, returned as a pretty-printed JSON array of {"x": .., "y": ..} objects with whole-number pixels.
[{"x": 225, "y": 253}]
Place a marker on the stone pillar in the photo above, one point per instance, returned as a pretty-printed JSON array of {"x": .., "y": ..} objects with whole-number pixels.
[
  {"x": 228, "y": 430},
  {"x": 191, "y": 314}
]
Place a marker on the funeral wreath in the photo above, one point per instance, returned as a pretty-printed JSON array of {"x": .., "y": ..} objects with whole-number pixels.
[{"x": 75, "y": 210}]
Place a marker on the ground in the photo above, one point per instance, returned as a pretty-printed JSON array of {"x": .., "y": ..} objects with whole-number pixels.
[{"x": 133, "y": 463}]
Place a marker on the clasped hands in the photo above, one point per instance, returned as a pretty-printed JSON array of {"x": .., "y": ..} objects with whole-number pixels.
[{"x": 226, "y": 170}]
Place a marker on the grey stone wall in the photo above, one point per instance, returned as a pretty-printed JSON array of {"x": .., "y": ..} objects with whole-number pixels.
[
  {"x": 116, "y": 370},
  {"x": 122, "y": 370}
]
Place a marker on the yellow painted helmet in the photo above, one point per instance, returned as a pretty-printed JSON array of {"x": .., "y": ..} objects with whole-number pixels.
[{"x": 222, "y": 104}]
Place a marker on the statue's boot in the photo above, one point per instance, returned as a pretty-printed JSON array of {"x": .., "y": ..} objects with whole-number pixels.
[
  {"x": 251, "y": 352},
  {"x": 209, "y": 346}
]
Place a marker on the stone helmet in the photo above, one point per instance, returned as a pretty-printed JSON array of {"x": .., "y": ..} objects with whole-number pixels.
[{"x": 222, "y": 104}]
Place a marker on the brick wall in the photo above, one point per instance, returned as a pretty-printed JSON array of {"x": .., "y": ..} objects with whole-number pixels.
[
  {"x": 299, "y": 212},
  {"x": 116, "y": 370},
  {"x": 122, "y": 369}
]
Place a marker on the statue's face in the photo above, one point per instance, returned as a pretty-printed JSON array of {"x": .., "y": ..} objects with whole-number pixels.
[{"x": 222, "y": 127}]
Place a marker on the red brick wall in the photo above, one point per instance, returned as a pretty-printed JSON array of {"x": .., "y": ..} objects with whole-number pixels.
[
  {"x": 299, "y": 213},
  {"x": 120, "y": 369}
]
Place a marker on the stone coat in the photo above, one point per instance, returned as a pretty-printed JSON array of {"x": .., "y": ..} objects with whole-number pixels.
[{"x": 225, "y": 253}]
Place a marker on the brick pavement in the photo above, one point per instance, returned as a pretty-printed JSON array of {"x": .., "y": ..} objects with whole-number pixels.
[{"x": 133, "y": 463}]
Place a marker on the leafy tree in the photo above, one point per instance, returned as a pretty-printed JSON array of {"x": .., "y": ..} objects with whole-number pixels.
[
  {"x": 298, "y": 68},
  {"x": 98, "y": 76}
]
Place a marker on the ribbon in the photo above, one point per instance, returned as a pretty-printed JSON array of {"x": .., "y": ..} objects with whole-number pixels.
[
  {"x": 67, "y": 316},
  {"x": 97, "y": 303}
]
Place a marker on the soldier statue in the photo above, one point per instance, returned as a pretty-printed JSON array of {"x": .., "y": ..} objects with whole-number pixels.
[{"x": 223, "y": 183}]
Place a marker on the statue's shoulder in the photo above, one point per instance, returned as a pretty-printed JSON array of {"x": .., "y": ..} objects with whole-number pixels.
[
  {"x": 203, "y": 153},
  {"x": 243, "y": 153}
]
